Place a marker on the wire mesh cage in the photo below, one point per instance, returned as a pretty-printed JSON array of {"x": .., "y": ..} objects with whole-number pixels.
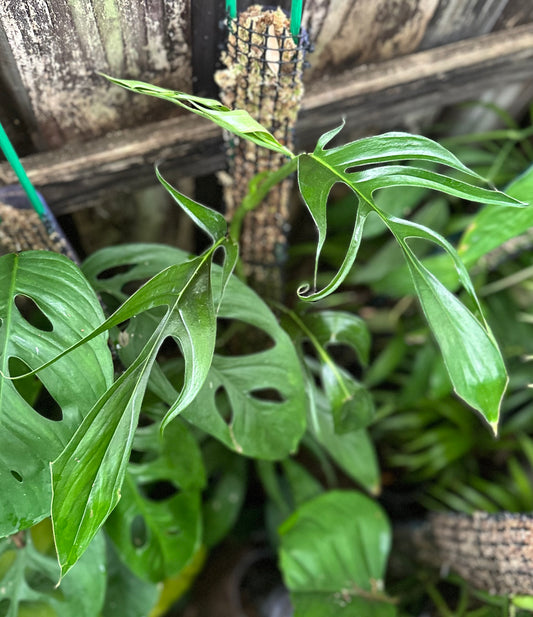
[{"x": 263, "y": 73}]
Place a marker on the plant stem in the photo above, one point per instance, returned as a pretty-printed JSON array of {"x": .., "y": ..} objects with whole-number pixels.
[{"x": 259, "y": 187}]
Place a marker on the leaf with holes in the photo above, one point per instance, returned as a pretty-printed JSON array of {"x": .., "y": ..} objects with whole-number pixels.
[
  {"x": 333, "y": 555},
  {"x": 88, "y": 474},
  {"x": 253, "y": 402},
  {"x": 236, "y": 121},
  {"x": 156, "y": 526},
  {"x": 28, "y": 580},
  {"x": 38, "y": 416},
  {"x": 463, "y": 338}
]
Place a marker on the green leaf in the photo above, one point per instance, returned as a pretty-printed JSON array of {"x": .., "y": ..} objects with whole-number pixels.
[
  {"x": 472, "y": 358},
  {"x": 212, "y": 223},
  {"x": 126, "y": 594},
  {"x": 352, "y": 406},
  {"x": 227, "y": 489},
  {"x": 88, "y": 474},
  {"x": 333, "y": 555},
  {"x": 353, "y": 452},
  {"x": 28, "y": 580},
  {"x": 490, "y": 228},
  {"x": 154, "y": 535},
  {"x": 317, "y": 173},
  {"x": 255, "y": 426},
  {"x": 236, "y": 121},
  {"x": 28, "y": 439}
]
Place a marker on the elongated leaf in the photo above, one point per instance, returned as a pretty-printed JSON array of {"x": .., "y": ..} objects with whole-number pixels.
[
  {"x": 28, "y": 439},
  {"x": 472, "y": 358},
  {"x": 28, "y": 581},
  {"x": 256, "y": 426},
  {"x": 480, "y": 382},
  {"x": 212, "y": 223},
  {"x": 353, "y": 452},
  {"x": 236, "y": 121},
  {"x": 155, "y": 536},
  {"x": 88, "y": 474},
  {"x": 333, "y": 554}
]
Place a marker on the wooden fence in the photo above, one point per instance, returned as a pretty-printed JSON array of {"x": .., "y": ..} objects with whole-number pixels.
[{"x": 380, "y": 64}]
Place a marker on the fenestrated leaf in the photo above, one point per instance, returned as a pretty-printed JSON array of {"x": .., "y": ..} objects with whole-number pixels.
[
  {"x": 269, "y": 429},
  {"x": 88, "y": 474},
  {"x": 28, "y": 581},
  {"x": 237, "y": 121},
  {"x": 126, "y": 594},
  {"x": 333, "y": 555},
  {"x": 480, "y": 383},
  {"x": 156, "y": 535},
  {"x": 318, "y": 172},
  {"x": 28, "y": 440}
]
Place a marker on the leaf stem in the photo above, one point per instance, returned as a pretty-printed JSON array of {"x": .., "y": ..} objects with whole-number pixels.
[{"x": 259, "y": 187}]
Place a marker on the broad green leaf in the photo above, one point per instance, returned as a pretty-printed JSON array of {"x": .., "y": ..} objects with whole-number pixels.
[
  {"x": 255, "y": 426},
  {"x": 472, "y": 357},
  {"x": 353, "y": 452},
  {"x": 126, "y": 594},
  {"x": 28, "y": 580},
  {"x": 28, "y": 439},
  {"x": 88, "y": 474},
  {"x": 351, "y": 405},
  {"x": 333, "y": 555},
  {"x": 222, "y": 504},
  {"x": 236, "y": 121},
  {"x": 157, "y": 536},
  {"x": 340, "y": 327},
  {"x": 261, "y": 428}
]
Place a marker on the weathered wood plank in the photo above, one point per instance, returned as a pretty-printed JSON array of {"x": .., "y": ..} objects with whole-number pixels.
[
  {"x": 516, "y": 13},
  {"x": 455, "y": 20},
  {"x": 348, "y": 32},
  {"x": 57, "y": 46},
  {"x": 374, "y": 97}
]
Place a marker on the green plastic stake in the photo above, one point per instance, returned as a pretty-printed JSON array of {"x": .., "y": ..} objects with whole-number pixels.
[
  {"x": 296, "y": 18},
  {"x": 231, "y": 8},
  {"x": 15, "y": 163}
]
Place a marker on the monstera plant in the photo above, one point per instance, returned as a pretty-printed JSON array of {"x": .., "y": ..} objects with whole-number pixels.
[{"x": 130, "y": 424}]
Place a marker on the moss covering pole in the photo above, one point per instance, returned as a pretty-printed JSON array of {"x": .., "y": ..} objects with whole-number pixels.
[{"x": 263, "y": 66}]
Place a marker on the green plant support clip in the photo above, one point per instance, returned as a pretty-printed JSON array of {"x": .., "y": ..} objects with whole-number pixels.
[
  {"x": 15, "y": 163},
  {"x": 296, "y": 15}
]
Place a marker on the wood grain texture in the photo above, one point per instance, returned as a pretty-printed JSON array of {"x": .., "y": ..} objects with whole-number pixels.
[
  {"x": 371, "y": 98},
  {"x": 516, "y": 13},
  {"x": 56, "y": 47},
  {"x": 455, "y": 20},
  {"x": 347, "y": 32}
]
